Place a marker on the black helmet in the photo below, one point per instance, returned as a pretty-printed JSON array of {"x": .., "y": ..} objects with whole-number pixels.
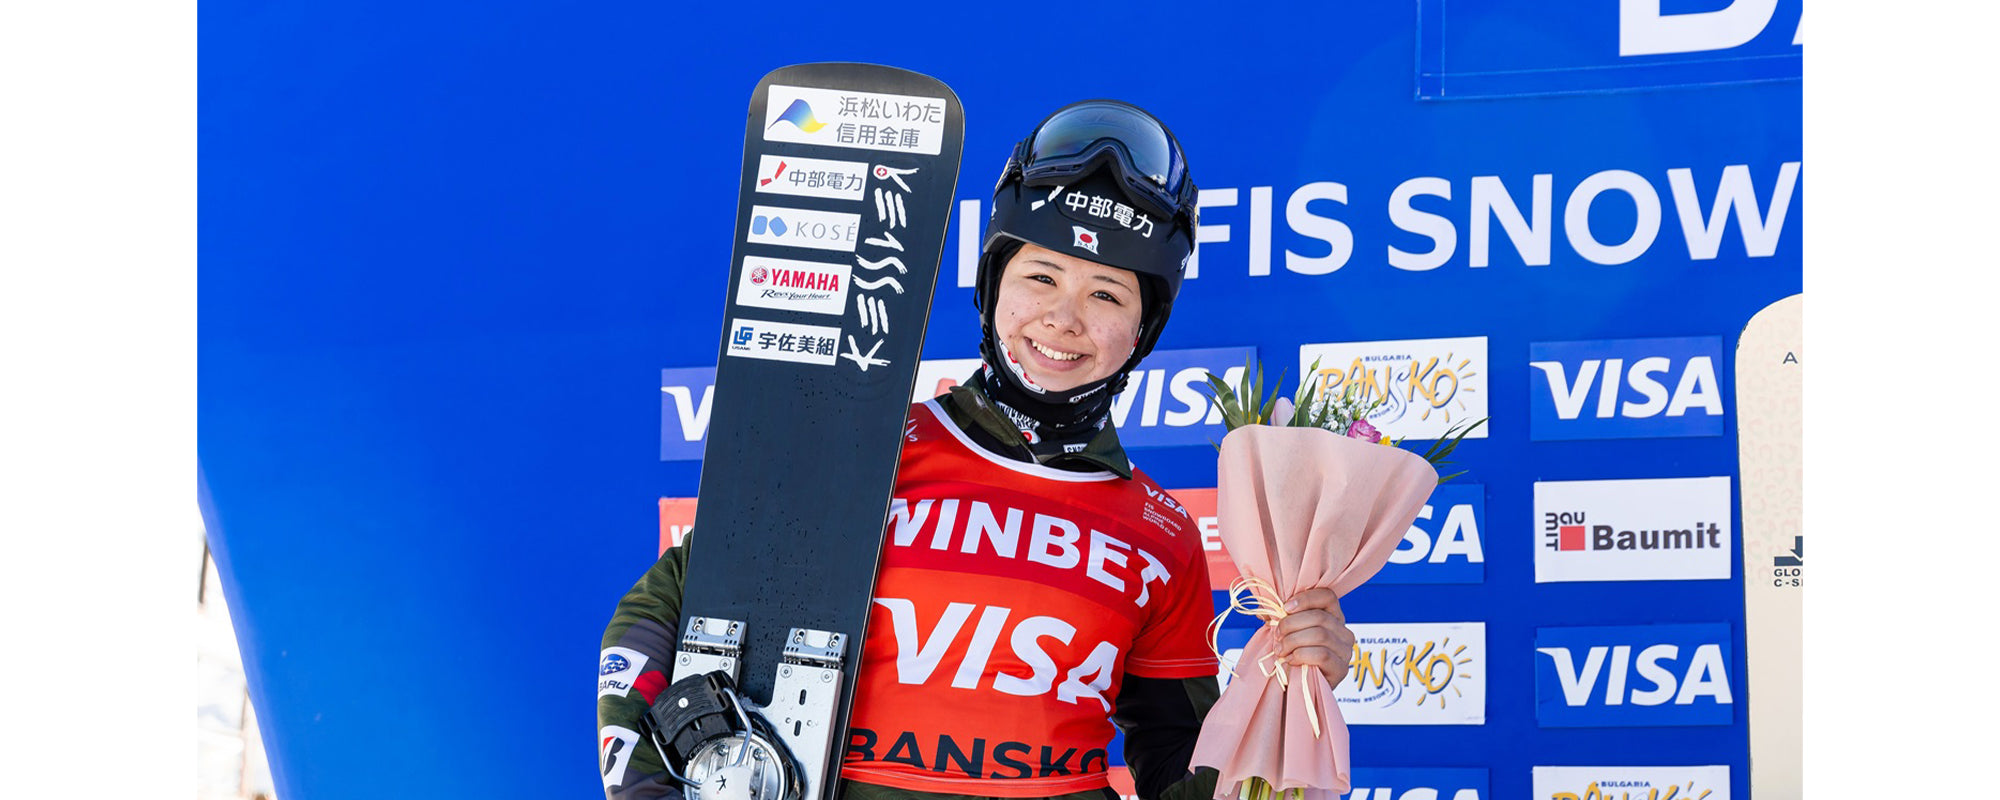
[{"x": 1101, "y": 180}]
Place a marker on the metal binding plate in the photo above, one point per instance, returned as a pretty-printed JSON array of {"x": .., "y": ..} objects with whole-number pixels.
[{"x": 711, "y": 644}]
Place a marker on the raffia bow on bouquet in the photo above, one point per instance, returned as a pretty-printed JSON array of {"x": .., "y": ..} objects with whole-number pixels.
[{"x": 1318, "y": 502}]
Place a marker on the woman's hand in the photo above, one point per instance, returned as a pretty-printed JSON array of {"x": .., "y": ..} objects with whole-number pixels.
[{"x": 1315, "y": 632}]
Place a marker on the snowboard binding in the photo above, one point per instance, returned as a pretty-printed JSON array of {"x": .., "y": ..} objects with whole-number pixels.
[{"x": 722, "y": 746}]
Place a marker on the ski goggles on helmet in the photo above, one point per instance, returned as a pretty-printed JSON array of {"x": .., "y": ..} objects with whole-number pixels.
[{"x": 1142, "y": 154}]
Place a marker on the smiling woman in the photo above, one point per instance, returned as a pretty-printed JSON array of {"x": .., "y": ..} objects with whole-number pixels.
[
  {"x": 1064, "y": 321},
  {"x": 1035, "y": 589}
]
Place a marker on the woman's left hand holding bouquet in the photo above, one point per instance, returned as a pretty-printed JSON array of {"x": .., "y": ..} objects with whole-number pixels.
[{"x": 1314, "y": 633}]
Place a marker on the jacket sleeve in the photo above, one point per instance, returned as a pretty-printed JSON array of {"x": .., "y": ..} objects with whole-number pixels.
[
  {"x": 1161, "y": 717},
  {"x": 639, "y": 641}
]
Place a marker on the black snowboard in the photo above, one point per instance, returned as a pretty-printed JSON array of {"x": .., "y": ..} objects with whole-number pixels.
[{"x": 848, "y": 176}]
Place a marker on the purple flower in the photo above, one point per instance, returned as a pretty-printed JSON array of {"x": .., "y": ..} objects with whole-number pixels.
[{"x": 1364, "y": 431}]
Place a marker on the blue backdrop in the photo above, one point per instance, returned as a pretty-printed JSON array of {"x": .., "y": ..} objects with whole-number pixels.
[{"x": 447, "y": 249}]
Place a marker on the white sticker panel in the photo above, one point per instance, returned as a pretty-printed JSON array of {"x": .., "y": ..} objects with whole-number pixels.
[
  {"x": 617, "y": 667},
  {"x": 614, "y": 753},
  {"x": 1666, "y": 529},
  {"x": 1632, "y": 783},
  {"x": 859, "y": 120},
  {"x": 1425, "y": 386},
  {"x": 1416, "y": 673},
  {"x": 803, "y": 227},
  {"x": 812, "y": 177},
  {"x": 807, "y": 286},
  {"x": 781, "y": 341}
]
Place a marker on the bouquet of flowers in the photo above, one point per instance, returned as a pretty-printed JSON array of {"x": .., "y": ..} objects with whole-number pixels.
[{"x": 1307, "y": 495}]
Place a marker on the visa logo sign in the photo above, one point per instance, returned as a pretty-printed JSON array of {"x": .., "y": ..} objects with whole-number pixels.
[
  {"x": 1625, "y": 388},
  {"x": 1443, "y": 545},
  {"x": 1406, "y": 783},
  {"x": 687, "y": 395},
  {"x": 1644, "y": 29},
  {"x": 1463, "y": 46},
  {"x": 1635, "y": 675},
  {"x": 1166, "y": 401}
]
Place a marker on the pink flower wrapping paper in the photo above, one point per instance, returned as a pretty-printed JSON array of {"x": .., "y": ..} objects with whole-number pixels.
[{"x": 1300, "y": 508}]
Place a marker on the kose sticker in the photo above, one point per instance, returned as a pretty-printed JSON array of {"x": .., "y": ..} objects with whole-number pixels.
[{"x": 802, "y": 227}]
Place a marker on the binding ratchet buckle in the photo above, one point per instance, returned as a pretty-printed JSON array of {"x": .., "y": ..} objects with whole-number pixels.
[{"x": 720, "y": 745}]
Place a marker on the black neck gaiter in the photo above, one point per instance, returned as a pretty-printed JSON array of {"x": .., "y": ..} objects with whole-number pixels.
[{"x": 1050, "y": 428}]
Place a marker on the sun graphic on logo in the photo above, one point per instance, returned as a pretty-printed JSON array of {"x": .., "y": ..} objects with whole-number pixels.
[
  {"x": 1424, "y": 667},
  {"x": 1430, "y": 383}
]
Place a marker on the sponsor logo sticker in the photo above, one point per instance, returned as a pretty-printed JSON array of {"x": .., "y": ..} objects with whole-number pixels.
[
  {"x": 1416, "y": 673},
  {"x": 1625, "y": 388},
  {"x": 1789, "y": 569},
  {"x": 780, "y": 341},
  {"x": 1085, "y": 239},
  {"x": 1443, "y": 544},
  {"x": 803, "y": 227},
  {"x": 811, "y": 177},
  {"x": 616, "y": 669},
  {"x": 1633, "y": 675},
  {"x": 1425, "y": 385},
  {"x": 1166, "y": 402},
  {"x": 614, "y": 753},
  {"x": 687, "y": 395},
  {"x": 1662, "y": 529},
  {"x": 805, "y": 286},
  {"x": 1631, "y": 783},
  {"x": 857, "y": 120},
  {"x": 1419, "y": 783}
]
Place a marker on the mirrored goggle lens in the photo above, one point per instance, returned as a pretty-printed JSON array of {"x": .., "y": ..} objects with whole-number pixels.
[{"x": 1073, "y": 131}]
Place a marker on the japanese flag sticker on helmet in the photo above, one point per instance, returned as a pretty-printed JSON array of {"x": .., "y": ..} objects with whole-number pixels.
[{"x": 1084, "y": 239}]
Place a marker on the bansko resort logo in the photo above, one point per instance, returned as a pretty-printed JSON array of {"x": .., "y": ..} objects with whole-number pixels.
[
  {"x": 1424, "y": 385},
  {"x": 1632, "y": 783},
  {"x": 1633, "y": 530},
  {"x": 1633, "y": 675},
  {"x": 1418, "y": 783},
  {"x": 1415, "y": 673},
  {"x": 1443, "y": 544},
  {"x": 1625, "y": 388}
]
